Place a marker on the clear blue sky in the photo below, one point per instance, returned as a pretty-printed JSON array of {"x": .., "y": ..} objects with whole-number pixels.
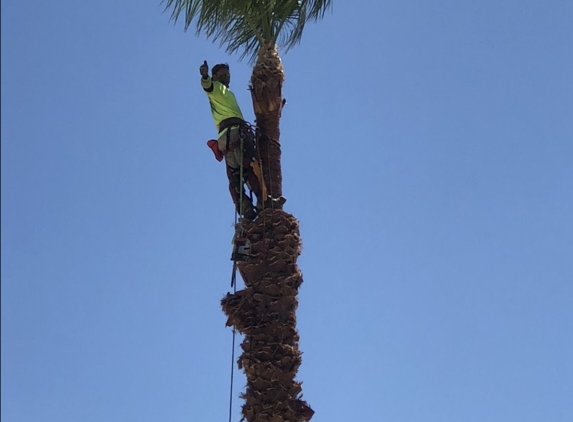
[{"x": 428, "y": 150}]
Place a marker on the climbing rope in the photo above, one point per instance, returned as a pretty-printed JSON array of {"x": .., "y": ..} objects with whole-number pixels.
[
  {"x": 233, "y": 277},
  {"x": 238, "y": 224},
  {"x": 234, "y": 271},
  {"x": 241, "y": 172}
]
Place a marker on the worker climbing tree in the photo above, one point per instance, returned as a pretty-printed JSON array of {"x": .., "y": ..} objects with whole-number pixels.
[
  {"x": 235, "y": 142},
  {"x": 264, "y": 310}
]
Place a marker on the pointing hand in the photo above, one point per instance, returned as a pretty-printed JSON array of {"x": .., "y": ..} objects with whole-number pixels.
[{"x": 204, "y": 69}]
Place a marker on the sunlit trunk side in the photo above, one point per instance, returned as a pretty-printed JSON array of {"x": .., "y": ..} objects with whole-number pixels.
[
  {"x": 266, "y": 91},
  {"x": 265, "y": 311}
]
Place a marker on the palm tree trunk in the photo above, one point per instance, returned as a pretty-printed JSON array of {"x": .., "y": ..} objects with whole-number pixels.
[
  {"x": 266, "y": 91},
  {"x": 264, "y": 312}
]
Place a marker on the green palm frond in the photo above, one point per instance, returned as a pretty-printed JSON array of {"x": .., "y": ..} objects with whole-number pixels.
[{"x": 246, "y": 25}]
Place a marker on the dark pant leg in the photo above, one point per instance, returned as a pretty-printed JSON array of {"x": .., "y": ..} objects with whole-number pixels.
[
  {"x": 249, "y": 175},
  {"x": 235, "y": 188}
]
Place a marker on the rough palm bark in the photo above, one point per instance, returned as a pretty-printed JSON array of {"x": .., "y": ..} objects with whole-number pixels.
[
  {"x": 265, "y": 310},
  {"x": 266, "y": 91}
]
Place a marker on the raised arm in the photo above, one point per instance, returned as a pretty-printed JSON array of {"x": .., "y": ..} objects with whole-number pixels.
[{"x": 206, "y": 81}]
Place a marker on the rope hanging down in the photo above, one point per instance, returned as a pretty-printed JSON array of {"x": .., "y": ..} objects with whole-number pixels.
[{"x": 234, "y": 274}]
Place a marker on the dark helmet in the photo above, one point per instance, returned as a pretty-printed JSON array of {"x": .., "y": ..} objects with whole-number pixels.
[{"x": 218, "y": 67}]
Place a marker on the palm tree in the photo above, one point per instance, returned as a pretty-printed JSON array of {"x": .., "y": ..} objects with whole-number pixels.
[{"x": 264, "y": 311}]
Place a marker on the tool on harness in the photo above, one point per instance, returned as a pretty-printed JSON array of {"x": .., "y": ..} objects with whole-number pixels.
[{"x": 241, "y": 245}]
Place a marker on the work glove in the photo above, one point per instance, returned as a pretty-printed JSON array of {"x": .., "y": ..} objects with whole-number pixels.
[{"x": 204, "y": 70}]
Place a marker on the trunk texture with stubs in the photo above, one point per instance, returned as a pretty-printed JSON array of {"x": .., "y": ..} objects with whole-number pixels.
[
  {"x": 265, "y": 310},
  {"x": 266, "y": 91}
]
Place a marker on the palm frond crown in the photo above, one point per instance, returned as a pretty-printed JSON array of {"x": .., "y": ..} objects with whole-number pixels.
[{"x": 247, "y": 25}]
